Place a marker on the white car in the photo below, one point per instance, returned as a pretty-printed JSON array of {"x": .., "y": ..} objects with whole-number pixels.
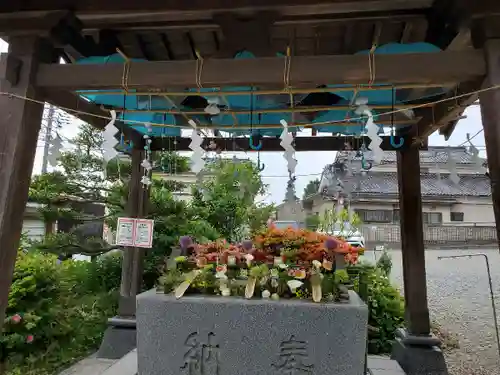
[{"x": 353, "y": 238}]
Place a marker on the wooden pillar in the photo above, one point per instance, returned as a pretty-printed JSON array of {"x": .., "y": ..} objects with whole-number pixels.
[
  {"x": 132, "y": 266},
  {"x": 490, "y": 113},
  {"x": 412, "y": 242},
  {"x": 20, "y": 122}
]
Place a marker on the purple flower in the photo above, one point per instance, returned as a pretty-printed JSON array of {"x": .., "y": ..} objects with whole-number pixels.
[
  {"x": 331, "y": 243},
  {"x": 247, "y": 245},
  {"x": 185, "y": 242}
]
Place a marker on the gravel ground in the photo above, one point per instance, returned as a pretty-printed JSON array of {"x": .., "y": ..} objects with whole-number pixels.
[{"x": 459, "y": 301}]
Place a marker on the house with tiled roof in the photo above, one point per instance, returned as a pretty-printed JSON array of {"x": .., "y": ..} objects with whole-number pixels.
[
  {"x": 374, "y": 193},
  {"x": 455, "y": 189}
]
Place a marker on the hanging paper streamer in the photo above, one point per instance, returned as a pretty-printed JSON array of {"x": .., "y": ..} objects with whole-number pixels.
[
  {"x": 197, "y": 162},
  {"x": 146, "y": 163},
  {"x": 439, "y": 181},
  {"x": 371, "y": 129},
  {"x": 54, "y": 150},
  {"x": 286, "y": 143},
  {"x": 476, "y": 159},
  {"x": 452, "y": 167},
  {"x": 290, "y": 195},
  {"x": 289, "y": 155},
  {"x": 109, "y": 140}
]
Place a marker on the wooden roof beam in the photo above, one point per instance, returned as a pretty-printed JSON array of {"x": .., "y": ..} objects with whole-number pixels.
[
  {"x": 75, "y": 103},
  {"x": 106, "y": 8},
  {"x": 306, "y": 71},
  {"x": 88, "y": 112},
  {"x": 272, "y": 144}
]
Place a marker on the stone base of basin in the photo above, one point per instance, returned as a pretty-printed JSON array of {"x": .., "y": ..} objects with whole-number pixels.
[
  {"x": 418, "y": 355},
  {"x": 209, "y": 335},
  {"x": 119, "y": 339}
]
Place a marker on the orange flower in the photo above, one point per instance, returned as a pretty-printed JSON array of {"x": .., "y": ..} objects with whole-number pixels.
[
  {"x": 201, "y": 262},
  {"x": 221, "y": 268},
  {"x": 351, "y": 258}
]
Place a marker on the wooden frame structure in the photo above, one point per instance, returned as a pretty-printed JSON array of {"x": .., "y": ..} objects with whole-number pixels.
[{"x": 323, "y": 35}]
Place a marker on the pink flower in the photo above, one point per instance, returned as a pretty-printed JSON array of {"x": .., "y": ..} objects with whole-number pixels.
[
  {"x": 29, "y": 339},
  {"x": 16, "y": 318}
]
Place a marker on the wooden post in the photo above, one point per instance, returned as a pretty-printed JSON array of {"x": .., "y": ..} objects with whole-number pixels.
[
  {"x": 133, "y": 257},
  {"x": 490, "y": 113},
  {"x": 412, "y": 242},
  {"x": 20, "y": 122},
  {"x": 120, "y": 337}
]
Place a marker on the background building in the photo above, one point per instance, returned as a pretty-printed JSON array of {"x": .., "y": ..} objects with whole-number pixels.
[{"x": 453, "y": 212}]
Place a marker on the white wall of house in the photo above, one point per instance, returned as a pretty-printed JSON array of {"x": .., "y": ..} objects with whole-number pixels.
[
  {"x": 464, "y": 211},
  {"x": 33, "y": 225},
  {"x": 187, "y": 178},
  {"x": 291, "y": 211},
  {"x": 34, "y": 229}
]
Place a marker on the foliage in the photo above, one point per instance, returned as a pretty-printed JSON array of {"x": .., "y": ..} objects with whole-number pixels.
[
  {"x": 171, "y": 162},
  {"x": 225, "y": 198},
  {"x": 312, "y": 222},
  {"x": 79, "y": 181},
  {"x": 172, "y": 219},
  {"x": 70, "y": 243},
  {"x": 258, "y": 215},
  {"x": 56, "y": 313},
  {"x": 385, "y": 305},
  {"x": 384, "y": 263},
  {"x": 342, "y": 220},
  {"x": 311, "y": 188}
]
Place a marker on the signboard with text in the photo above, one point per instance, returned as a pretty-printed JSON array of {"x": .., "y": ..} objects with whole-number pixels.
[{"x": 134, "y": 232}]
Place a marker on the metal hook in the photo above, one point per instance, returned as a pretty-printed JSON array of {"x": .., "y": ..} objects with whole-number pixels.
[
  {"x": 399, "y": 144},
  {"x": 260, "y": 166},
  {"x": 252, "y": 146}
]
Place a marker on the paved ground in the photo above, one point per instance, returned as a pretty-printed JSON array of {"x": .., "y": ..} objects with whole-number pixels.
[
  {"x": 459, "y": 300},
  {"x": 128, "y": 366}
]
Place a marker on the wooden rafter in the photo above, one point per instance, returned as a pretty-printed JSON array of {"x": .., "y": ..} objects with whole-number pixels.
[
  {"x": 449, "y": 111},
  {"x": 182, "y": 7},
  {"x": 443, "y": 67}
]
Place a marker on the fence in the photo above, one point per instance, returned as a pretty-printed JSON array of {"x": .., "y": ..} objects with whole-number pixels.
[{"x": 433, "y": 235}]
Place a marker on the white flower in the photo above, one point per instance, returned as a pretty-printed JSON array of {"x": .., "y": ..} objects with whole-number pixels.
[
  {"x": 283, "y": 265},
  {"x": 266, "y": 294},
  {"x": 274, "y": 272},
  {"x": 226, "y": 292},
  {"x": 274, "y": 283},
  {"x": 249, "y": 258},
  {"x": 221, "y": 275},
  {"x": 316, "y": 264},
  {"x": 231, "y": 260},
  {"x": 294, "y": 284}
]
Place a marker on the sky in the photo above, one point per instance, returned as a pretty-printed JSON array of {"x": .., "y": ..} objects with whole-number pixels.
[{"x": 310, "y": 164}]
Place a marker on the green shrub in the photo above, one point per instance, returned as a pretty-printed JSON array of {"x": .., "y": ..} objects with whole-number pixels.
[
  {"x": 386, "y": 308},
  {"x": 384, "y": 263},
  {"x": 57, "y": 312}
]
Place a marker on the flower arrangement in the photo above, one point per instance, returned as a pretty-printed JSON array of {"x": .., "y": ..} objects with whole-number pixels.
[{"x": 289, "y": 263}]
